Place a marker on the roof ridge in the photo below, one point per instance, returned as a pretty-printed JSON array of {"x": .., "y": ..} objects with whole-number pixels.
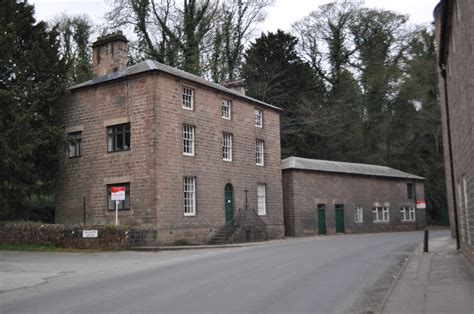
[
  {"x": 149, "y": 65},
  {"x": 344, "y": 162},
  {"x": 294, "y": 162}
]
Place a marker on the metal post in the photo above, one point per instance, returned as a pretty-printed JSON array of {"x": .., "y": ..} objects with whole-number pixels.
[
  {"x": 116, "y": 212},
  {"x": 246, "y": 204},
  {"x": 84, "y": 208},
  {"x": 425, "y": 242}
]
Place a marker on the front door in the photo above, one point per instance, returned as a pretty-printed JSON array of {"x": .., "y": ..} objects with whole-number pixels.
[
  {"x": 321, "y": 219},
  {"x": 229, "y": 204},
  {"x": 340, "y": 219}
]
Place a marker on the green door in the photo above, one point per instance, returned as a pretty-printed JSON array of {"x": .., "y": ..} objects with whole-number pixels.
[
  {"x": 340, "y": 219},
  {"x": 321, "y": 219},
  {"x": 229, "y": 204}
]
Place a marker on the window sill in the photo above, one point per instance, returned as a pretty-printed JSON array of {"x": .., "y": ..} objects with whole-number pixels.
[
  {"x": 186, "y": 108},
  {"x": 227, "y": 160},
  {"x": 120, "y": 210},
  {"x": 188, "y": 155},
  {"x": 381, "y": 221},
  {"x": 228, "y": 119},
  {"x": 408, "y": 221},
  {"x": 189, "y": 215},
  {"x": 74, "y": 157},
  {"x": 119, "y": 151}
]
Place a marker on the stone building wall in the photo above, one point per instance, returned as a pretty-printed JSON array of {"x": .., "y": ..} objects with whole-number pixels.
[
  {"x": 304, "y": 190},
  {"x": 155, "y": 166},
  {"x": 457, "y": 72}
]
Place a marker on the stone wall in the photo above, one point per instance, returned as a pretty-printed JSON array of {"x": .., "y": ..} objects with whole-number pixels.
[
  {"x": 212, "y": 173},
  {"x": 82, "y": 181},
  {"x": 71, "y": 236},
  {"x": 457, "y": 87},
  {"x": 304, "y": 190}
]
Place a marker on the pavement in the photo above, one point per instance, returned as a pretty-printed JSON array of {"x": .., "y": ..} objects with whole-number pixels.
[
  {"x": 155, "y": 248},
  {"x": 440, "y": 281}
]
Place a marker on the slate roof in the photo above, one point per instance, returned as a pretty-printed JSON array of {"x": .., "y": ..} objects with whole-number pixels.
[
  {"x": 345, "y": 167},
  {"x": 150, "y": 65}
]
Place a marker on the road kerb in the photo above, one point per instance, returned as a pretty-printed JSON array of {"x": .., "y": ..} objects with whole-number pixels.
[{"x": 397, "y": 277}]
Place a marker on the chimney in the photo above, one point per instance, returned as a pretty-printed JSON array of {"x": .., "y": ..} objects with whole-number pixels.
[
  {"x": 109, "y": 54},
  {"x": 237, "y": 86}
]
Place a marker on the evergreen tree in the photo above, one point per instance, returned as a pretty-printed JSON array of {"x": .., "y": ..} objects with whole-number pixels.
[
  {"x": 32, "y": 84},
  {"x": 74, "y": 34},
  {"x": 274, "y": 73}
]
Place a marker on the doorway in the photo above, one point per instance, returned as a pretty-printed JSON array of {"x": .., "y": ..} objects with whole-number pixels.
[
  {"x": 340, "y": 218},
  {"x": 321, "y": 219},
  {"x": 229, "y": 204}
]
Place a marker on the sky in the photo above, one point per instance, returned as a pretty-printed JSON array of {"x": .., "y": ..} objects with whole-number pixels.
[{"x": 279, "y": 16}]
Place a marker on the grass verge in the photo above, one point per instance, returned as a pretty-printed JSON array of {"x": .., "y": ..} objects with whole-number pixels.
[{"x": 28, "y": 247}]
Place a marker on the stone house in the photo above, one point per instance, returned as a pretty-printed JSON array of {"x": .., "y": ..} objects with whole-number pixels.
[
  {"x": 329, "y": 197},
  {"x": 192, "y": 155},
  {"x": 454, "y": 29}
]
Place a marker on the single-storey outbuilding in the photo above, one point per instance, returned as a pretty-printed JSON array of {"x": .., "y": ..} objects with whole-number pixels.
[{"x": 329, "y": 197}]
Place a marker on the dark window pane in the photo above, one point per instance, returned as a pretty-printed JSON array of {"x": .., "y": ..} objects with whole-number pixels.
[
  {"x": 75, "y": 144},
  {"x": 127, "y": 140},
  {"x": 410, "y": 192},
  {"x": 119, "y": 142},
  {"x": 118, "y": 137}
]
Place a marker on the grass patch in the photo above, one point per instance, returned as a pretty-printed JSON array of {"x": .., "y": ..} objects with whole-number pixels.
[
  {"x": 50, "y": 248},
  {"x": 28, "y": 247}
]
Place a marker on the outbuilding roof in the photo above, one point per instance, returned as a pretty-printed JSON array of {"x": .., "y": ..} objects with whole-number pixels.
[
  {"x": 345, "y": 167},
  {"x": 150, "y": 65}
]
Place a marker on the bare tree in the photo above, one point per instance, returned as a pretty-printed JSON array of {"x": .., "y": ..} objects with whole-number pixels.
[
  {"x": 240, "y": 19},
  {"x": 166, "y": 32},
  {"x": 325, "y": 38}
]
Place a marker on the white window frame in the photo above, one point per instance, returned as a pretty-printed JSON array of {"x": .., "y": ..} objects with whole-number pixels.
[
  {"x": 359, "y": 214},
  {"x": 261, "y": 199},
  {"x": 226, "y": 146},
  {"x": 226, "y": 109},
  {"x": 258, "y": 117},
  {"x": 381, "y": 214},
  {"x": 187, "y": 98},
  {"x": 408, "y": 213},
  {"x": 259, "y": 153},
  {"x": 189, "y": 196},
  {"x": 188, "y": 140}
]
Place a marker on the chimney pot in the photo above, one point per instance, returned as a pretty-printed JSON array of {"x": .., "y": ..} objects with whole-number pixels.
[
  {"x": 109, "y": 54},
  {"x": 237, "y": 86}
]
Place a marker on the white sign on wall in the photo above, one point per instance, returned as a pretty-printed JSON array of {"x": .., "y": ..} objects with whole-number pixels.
[
  {"x": 90, "y": 233},
  {"x": 421, "y": 204}
]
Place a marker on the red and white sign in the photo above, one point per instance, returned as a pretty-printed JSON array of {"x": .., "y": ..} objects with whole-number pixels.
[
  {"x": 421, "y": 204},
  {"x": 118, "y": 193}
]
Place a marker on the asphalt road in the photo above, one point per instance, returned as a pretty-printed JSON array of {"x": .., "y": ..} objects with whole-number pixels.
[{"x": 331, "y": 274}]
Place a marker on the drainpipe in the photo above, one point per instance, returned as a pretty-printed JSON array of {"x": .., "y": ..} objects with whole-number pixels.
[
  {"x": 415, "y": 196},
  {"x": 84, "y": 208}
]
